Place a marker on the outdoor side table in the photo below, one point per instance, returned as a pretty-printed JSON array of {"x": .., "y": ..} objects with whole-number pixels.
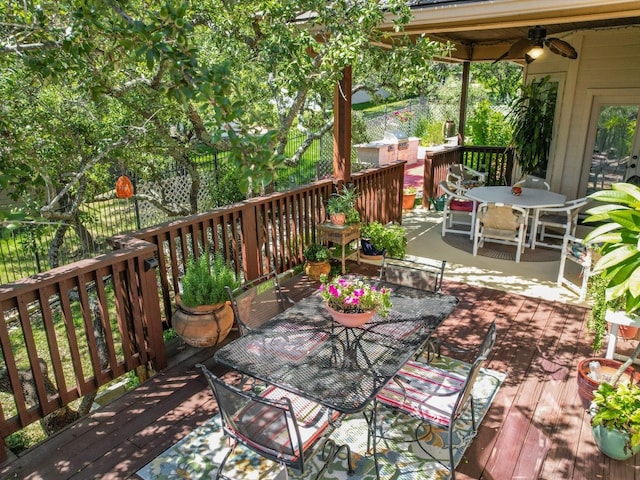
[{"x": 340, "y": 235}]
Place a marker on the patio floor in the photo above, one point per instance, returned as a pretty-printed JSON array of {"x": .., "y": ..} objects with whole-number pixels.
[{"x": 536, "y": 427}]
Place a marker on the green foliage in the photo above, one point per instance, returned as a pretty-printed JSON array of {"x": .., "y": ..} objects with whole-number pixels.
[
  {"x": 317, "y": 253},
  {"x": 344, "y": 201},
  {"x": 531, "y": 117},
  {"x": 619, "y": 237},
  {"x": 596, "y": 322},
  {"x": 488, "y": 127},
  {"x": 204, "y": 281},
  {"x": 618, "y": 408},
  {"x": 429, "y": 132},
  {"x": 393, "y": 238}
]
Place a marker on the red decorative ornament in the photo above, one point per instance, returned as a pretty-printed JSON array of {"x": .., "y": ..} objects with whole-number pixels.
[{"x": 124, "y": 187}]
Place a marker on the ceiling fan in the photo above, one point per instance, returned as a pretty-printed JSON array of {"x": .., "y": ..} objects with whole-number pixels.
[{"x": 532, "y": 47}]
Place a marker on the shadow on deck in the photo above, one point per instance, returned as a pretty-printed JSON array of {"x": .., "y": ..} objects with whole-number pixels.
[{"x": 536, "y": 427}]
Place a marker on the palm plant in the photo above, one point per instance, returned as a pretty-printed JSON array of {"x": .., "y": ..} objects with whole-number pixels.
[{"x": 619, "y": 238}]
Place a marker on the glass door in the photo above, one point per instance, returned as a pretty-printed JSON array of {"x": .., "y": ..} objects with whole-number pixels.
[{"x": 614, "y": 140}]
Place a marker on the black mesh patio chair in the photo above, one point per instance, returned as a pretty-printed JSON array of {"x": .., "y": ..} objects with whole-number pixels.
[
  {"x": 277, "y": 425},
  {"x": 257, "y": 301},
  {"x": 437, "y": 397},
  {"x": 425, "y": 274}
]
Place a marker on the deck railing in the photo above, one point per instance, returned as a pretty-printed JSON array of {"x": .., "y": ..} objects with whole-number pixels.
[
  {"x": 100, "y": 318},
  {"x": 266, "y": 231},
  {"x": 73, "y": 329},
  {"x": 496, "y": 162}
]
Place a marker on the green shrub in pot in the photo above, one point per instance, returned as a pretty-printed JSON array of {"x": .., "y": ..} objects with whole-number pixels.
[
  {"x": 204, "y": 281},
  {"x": 616, "y": 419},
  {"x": 392, "y": 238}
]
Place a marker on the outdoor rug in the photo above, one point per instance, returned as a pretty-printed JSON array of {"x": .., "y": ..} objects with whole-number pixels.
[
  {"x": 501, "y": 251},
  {"x": 197, "y": 456}
]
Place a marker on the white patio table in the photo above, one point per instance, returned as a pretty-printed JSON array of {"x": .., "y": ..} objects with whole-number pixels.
[{"x": 529, "y": 199}]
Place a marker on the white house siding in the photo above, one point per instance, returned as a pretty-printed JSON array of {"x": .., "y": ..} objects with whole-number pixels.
[{"x": 607, "y": 60}]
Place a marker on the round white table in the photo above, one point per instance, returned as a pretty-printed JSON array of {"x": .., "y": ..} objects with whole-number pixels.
[{"x": 531, "y": 198}]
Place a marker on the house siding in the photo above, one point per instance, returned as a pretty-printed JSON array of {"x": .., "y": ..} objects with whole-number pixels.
[{"x": 608, "y": 63}]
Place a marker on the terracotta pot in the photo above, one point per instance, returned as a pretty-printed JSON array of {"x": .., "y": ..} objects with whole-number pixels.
[
  {"x": 202, "y": 326},
  {"x": 337, "y": 218},
  {"x": 408, "y": 201},
  {"x": 315, "y": 269},
  {"x": 350, "y": 320},
  {"x": 625, "y": 331},
  {"x": 587, "y": 385}
]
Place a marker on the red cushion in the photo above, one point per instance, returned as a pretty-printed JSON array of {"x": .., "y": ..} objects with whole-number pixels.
[{"x": 461, "y": 205}]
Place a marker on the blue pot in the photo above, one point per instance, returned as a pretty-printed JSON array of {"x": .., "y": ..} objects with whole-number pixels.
[{"x": 611, "y": 443}]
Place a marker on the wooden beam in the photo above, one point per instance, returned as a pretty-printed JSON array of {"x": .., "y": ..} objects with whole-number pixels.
[
  {"x": 463, "y": 101},
  {"x": 342, "y": 127}
]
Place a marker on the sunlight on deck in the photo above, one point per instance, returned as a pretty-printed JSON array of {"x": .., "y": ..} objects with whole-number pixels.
[{"x": 534, "y": 279}]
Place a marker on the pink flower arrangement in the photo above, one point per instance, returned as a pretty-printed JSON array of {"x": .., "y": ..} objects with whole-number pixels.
[{"x": 352, "y": 294}]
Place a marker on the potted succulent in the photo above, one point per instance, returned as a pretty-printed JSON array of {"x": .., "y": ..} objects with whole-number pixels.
[
  {"x": 409, "y": 193},
  {"x": 378, "y": 238},
  {"x": 616, "y": 419},
  {"x": 204, "y": 315},
  {"x": 317, "y": 261},
  {"x": 341, "y": 206}
]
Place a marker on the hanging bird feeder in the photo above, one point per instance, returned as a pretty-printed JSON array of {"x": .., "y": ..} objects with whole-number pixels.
[{"x": 124, "y": 187}]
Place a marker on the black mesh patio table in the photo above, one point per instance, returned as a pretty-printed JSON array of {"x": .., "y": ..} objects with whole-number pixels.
[{"x": 304, "y": 351}]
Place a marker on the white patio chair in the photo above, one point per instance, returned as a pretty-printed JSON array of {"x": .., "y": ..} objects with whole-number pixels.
[
  {"x": 464, "y": 177},
  {"x": 500, "y": 223},
  {"x": 531, "y": 181},
  {"x": 457, "y": 208},
  {"x": 575, "y": 250},
  {"x": 563, "y": 218},
  {"x": 438, "y": 397},
  {"x": 276, "y": 424}
]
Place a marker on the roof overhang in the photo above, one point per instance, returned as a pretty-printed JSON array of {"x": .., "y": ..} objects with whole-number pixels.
[{"x": 482, "y": 30}]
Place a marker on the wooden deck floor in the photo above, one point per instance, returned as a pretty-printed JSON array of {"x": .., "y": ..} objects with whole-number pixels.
[{"x": 536, "y": 427}]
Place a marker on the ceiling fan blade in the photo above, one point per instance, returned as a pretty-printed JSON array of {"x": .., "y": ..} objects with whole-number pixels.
[
  {"x": 560, "y": 47},
  {"x": 517, "y": 50}
]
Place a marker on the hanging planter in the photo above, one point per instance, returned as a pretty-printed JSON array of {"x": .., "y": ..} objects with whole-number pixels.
[{"x": 124, "y": 187}]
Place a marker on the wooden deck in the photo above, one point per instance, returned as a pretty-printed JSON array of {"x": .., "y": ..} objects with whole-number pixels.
[{"x": 536, "y": 427}]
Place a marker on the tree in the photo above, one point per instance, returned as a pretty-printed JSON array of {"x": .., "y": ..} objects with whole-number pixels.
[{"x": 102, "y": 86}]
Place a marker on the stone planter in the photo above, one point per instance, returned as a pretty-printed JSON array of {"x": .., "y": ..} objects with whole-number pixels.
[{"x": 202, "y": 326}]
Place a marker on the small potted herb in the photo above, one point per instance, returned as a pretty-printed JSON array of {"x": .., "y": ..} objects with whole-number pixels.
[
  {"x": 317, "y": 261},
  {"x": 204, "y": 315}
]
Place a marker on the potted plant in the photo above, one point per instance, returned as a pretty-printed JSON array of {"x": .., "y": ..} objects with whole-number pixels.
[
  {"x": 341, "y": 206},
  {"x": 619, "y": 269},
  {"x": 391, "y": 239},
  {"x": 204, "y": 315},
  {"x": 409, "y": 197},
  {"x": 352, "y": 301},
  {"x": 317, "y": 261},
  {"x": 616, "y": 419}
]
